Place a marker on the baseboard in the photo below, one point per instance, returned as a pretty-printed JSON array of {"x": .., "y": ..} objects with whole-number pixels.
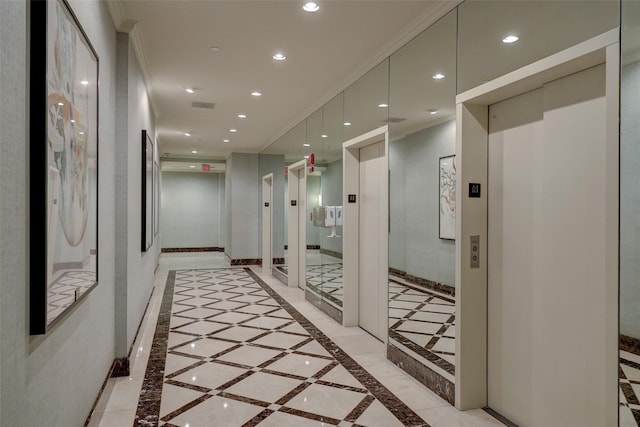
[
  {"x": 425, "y": 283},
  {"x": 630, "y": 344},
  {"x": 329, "y": 252},
  {"x": 246, "y": 261},
  {"x": 203, "y": 249}
]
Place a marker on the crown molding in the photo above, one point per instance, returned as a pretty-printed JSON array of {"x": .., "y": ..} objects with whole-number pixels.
[{"x": 124, "y": 25}]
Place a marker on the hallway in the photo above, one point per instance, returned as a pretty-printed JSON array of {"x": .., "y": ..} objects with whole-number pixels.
[{"x": 243, "y": 349}]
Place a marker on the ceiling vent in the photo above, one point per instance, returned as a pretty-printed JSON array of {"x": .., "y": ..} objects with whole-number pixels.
[
  {"x": 396, "y": 119},
  {"x": 207, "y": 105}
]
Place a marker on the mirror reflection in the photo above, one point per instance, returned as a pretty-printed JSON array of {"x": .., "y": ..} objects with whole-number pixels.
[
  {"x": 630, "y": 217},
  {"x": 422, "y": 194}
]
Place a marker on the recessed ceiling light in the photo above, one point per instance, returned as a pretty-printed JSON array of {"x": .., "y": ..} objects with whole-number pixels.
[
  {"x": 311, "y": 7},
  {"x": 347, "y": 123},
  {"x": 432, "y": 111},
  {"x": 61, "y": 103},
  {"x": 438, "y": 76},
  {"x": 233, "y": 130},
  {"x": 84, "y": 82},
  {"x": 279, "y": 57},
  {"x": 187, "y": 134},
  {"x": 242, "y": 116},
  {"x": 511, "y": 38},
  {"x": 256, "y": 93},
  {"x": 383, "y": 105},
  {"x": 306, "y": 145},
  {"x": 226, "y": 141},
  {"x": 192, "y": 166},
  {"x": 215, "y": 49},
  {"x": 324, "y": 135},
  {"x": 194, "y": 152},
  {"x": 189, "y": 90}
]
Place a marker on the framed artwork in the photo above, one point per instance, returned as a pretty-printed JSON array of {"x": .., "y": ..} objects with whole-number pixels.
[
  {"x": 147, "y": 191},
  {"x": 447, "y": 197},
  {"x": 156, "y": 198},
  {"x": 63, "y": 164}
]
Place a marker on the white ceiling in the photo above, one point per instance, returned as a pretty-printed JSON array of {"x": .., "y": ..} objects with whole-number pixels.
[{"x": 326, "y": 51}]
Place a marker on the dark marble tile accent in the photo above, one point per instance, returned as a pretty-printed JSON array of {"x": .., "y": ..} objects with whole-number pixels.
[
  {"x": 188, "y": 386},
  {"x": 244, "y": 399},
  {"x": 630, "y": 363},
  {"x": 246, "y": 261},
  {"x": 293, "y": 393},
  {"x": 388, "y": 399},
  {"x": 120, "y": 367},
  {"x": 329, "y": 252},
  {"x": 426, "y": 283},
  {"x": 237, "y": 379},
  {"x": 181, "y": 410},
  {"x": 315, "y": 417},
  {"x": 277, "y": 261},
  {"x": 183, "y": 370},
  {"x": 203, "y": 249},
  {"x": 630, "y": 344},
  {"x": 279, "y": 274},
  {"x": 323, "y": 305},
  {"x": 431, "y": 379},
  {"x": 438, "y": 361},
  {"x": 258, "y": 418},
  {"x": 313, "y": 246},
  {"x": 149, "y": 404},
  {"x": 359, "y": 410}
]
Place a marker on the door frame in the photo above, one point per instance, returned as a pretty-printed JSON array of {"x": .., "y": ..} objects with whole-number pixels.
[
  {"x": 351, "y": 224},
  {"x": 267, "y": 221},
  {"x": 472, "y": 121},
  {"x": 297, "y": 227}
]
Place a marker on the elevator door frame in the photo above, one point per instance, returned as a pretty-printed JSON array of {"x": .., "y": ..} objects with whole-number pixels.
[
  {"x": 351, "y": 225},
  {"x": 297, "y": 234},
  {"x": 267, "y": 221},
  {"x": 471, "y": 216}
]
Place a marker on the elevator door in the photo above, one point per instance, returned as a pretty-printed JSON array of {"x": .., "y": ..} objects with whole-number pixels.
[
  {"x": 545, "y": 267},
  {"x": 372, "y": 289}
]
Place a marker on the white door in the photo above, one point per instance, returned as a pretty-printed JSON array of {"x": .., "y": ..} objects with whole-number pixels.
[
  {"x": 267, "y": 259},
  {"x": 372, "y": 286},
  {"x": 546, "y": 268}
]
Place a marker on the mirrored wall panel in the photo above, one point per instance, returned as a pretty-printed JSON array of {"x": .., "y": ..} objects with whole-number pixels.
[
  {"x": 630, "y": 217},
  {"x": 422, "y": 195},
  {"x": 497, "y": 37}
]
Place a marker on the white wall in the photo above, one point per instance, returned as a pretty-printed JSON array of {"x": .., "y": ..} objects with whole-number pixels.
[
  {"x": 414, "y": 243},
  {"x": 630, "y": 201},
  {"x": 332, "y": 196},
  {"x": 243, "y": 186},
  {"x": 192, "y": 209},
  {"x": 313, "y": 189},
  {"x": 51, "y": 380}
]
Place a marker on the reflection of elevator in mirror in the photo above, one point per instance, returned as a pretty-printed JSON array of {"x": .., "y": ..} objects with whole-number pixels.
[
  {"x": 366, "y": 232},
  {"x": 297, "y": 234}
]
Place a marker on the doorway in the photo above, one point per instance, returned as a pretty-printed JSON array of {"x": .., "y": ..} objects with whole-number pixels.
[
  {"x": 366, "y": 232},
  {"x": 537, "y": 223},
  {"x": 297, "y": 234}
]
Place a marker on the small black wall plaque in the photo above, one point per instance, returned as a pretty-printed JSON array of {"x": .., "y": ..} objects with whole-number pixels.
[
  {"x": 266, "y": 204},
  {"x": 474, "y": 190},
  {"x": 352, "y": 198},
  {"x": 294, "y": 203}
]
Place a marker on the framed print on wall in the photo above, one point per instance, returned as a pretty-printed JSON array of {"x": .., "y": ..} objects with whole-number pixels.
[
  {"x": 447, "y": 197},
  {"x": 147, "y": 191},
  {"x": 63, "y": 164}
]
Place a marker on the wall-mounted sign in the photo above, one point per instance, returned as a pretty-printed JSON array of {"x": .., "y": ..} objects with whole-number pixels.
[
  {"x": 352, "y": 198},
  {"x": 294, "y": 203},
  {"x": 474, "y": 190},
  {"x": 266, "y": 204}
]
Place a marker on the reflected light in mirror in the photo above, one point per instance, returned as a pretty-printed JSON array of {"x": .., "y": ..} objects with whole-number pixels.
[
  {"x": 306, "y": 145},
  {"x": 347, "y": 123},
  {"x": 438, "y": 76},
  {"x": 383, "y": 105}
]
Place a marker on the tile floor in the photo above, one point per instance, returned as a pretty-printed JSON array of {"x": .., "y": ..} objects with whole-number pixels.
[
  {"x": 629, "y": 389},
  {"x": 262, "y": 379},
  {"x": 62, "y": 291}
]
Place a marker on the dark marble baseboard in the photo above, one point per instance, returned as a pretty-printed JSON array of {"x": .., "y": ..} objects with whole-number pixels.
[
  {"x": 426, "y": 283},
  {"x": 203, "y": 249},
  {"x": 246, "y": 261},
  {"x": 431, "y": 379},
  {"x": 278, "y": 261},
  {"x": 286, "y": 247},
  {"x": 630, "y": 344},
  {"x": 71, "y": 265},
  {"x": 331, "y": 253},
  {"x": 323, "y": 305},
  {"x": 120, "y": 367},
  {"x": 280, "y": 275}
]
